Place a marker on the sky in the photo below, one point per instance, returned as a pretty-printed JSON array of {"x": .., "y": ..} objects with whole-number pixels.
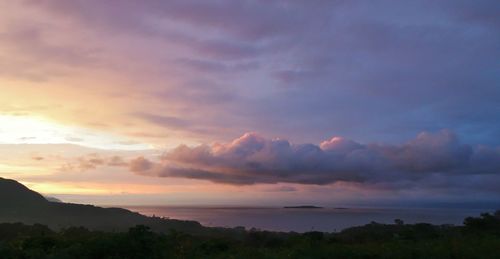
[{"x": 218, "y": 102}]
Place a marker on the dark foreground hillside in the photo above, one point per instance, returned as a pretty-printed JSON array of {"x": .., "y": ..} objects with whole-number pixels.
[
  {"x": 479, "y": 238},
  {"x": 60, "y": 230}
]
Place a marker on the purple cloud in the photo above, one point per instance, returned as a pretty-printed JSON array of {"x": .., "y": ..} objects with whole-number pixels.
[{"x": 253, "y": 159}]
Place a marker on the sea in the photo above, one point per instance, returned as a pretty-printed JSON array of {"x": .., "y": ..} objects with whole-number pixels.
[{"x": 303, "y": 220}]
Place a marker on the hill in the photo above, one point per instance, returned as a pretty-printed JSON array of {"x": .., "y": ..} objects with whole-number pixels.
[
  {"x": 20, "y": 204},
  {"x": 16, "y": 195}
]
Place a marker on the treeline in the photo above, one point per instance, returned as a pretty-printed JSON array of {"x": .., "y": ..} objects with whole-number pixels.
[{"x": 478, "y": 238}]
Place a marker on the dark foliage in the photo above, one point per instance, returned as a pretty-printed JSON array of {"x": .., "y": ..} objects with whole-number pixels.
[
  {"x": 61, "y": 230},
  {"x": 478, "y": 238}
]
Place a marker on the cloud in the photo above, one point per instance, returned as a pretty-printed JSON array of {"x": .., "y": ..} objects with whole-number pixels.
[
  {"x": 116, "y": 161},
  {"x": 252, "y": 159},
  {"x": 173, "y": 123},
  {"x": 284, "y": 188},
  {"x": 366, "y": 72},
  {"x": 209, "y": 66},
  {"x": 163, "y": 120},
  {"x": 93, "y": 161},
  {"x": 31, "y": 45},
  {"x": 140, "y": 164},
  {"x": 74, "y": 139}
]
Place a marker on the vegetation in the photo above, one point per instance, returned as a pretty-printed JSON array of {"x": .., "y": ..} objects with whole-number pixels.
[
  {"x": 478, "y": 238},
  {"x": 60, "y": 230}
]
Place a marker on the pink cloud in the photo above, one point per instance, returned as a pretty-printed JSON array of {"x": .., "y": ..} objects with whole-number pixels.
[{"x": 254, "y": 159}]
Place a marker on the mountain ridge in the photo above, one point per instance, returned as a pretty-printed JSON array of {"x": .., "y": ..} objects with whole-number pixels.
[
  {"x": 13, "y": 194},
  {"x": 20, "y": 204}
]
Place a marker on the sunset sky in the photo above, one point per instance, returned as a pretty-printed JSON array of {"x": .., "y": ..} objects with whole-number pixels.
[{"x": 367, "y": 103}]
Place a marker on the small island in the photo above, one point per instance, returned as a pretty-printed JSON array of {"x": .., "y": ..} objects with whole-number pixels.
[{"x": 303, "y": 207}]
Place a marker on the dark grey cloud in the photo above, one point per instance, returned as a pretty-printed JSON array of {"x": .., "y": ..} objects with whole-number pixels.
[{"x": 253, "y": 159}]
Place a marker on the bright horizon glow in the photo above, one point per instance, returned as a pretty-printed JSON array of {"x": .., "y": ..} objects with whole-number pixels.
[{"x": 36, "y": 130}]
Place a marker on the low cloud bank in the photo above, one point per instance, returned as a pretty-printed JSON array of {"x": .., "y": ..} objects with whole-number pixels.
[
  {"x": 94, "y": 160},
  {"x": 253, "y": 159}
]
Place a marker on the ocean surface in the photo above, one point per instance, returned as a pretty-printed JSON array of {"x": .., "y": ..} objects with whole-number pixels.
[{"x": 302, "y": 220}]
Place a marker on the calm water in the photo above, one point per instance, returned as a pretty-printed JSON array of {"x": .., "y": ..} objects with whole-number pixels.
[{"x": 300, "y": 220}]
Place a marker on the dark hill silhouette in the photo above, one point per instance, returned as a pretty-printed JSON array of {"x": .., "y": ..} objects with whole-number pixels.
[
  {"x": 14, "y": 194},
  {"x": 20, "y": 204},
  {"x": 52, "y": 199}
]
